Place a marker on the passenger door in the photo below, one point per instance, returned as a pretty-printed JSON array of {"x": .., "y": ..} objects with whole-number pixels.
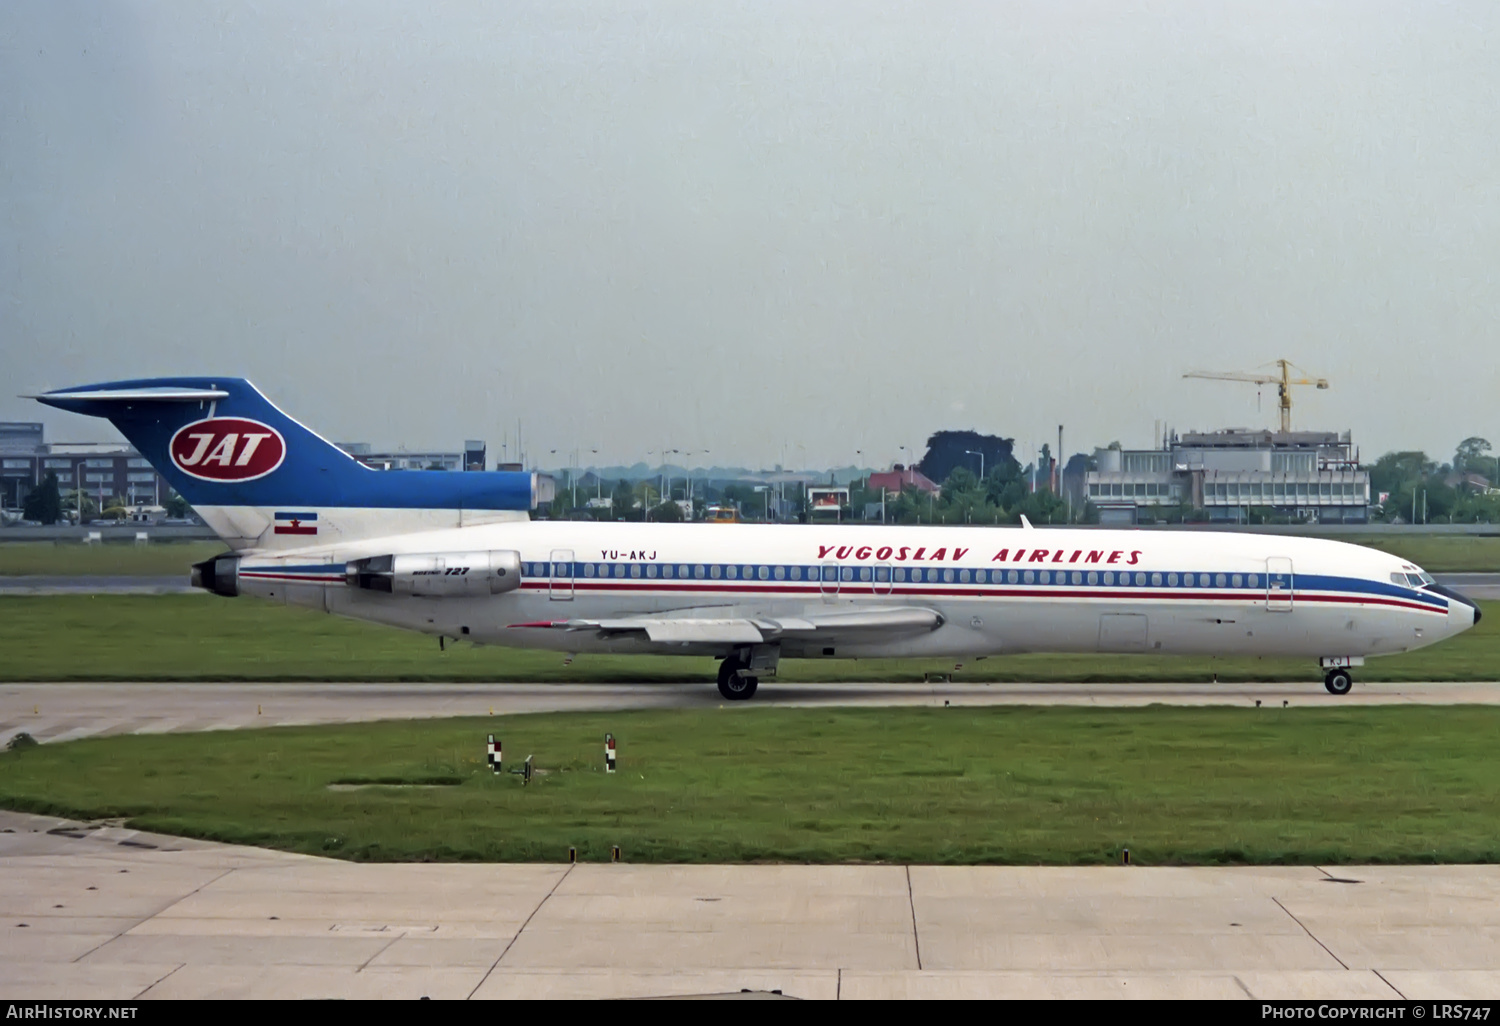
[{"x": 1279, "y": 584}]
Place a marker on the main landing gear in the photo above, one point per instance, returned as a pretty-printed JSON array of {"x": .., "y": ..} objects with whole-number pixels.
[
  {"x": 734, "y": 685},
  {"x": 1338, "y": 682}
]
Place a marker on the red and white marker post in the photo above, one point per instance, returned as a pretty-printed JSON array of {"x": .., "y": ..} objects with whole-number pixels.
[{"x": 609, "y": 753}]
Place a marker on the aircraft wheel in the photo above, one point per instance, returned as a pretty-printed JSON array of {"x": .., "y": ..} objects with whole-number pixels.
[
  {"x": 1338, "y": 682},
  {"x": 732, "y": 686}
]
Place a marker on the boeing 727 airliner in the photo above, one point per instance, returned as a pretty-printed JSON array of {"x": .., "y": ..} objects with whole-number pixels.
[{"x": 458, "y": 556}]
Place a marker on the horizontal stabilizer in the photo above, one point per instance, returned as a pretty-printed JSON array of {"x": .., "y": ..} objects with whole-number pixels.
[{"x": 163, "y": 394}]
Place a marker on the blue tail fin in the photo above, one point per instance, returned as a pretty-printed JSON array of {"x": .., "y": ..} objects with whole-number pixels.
[{"x": 225, "y": 447}]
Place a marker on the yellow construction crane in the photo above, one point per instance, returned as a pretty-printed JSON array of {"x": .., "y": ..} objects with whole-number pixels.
[{"x": 1283, "y": 382}]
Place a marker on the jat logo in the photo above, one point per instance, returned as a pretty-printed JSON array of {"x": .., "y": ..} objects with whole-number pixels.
[{"x": 228, "y": 449}]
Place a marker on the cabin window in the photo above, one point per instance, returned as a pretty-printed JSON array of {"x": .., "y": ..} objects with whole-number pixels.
[
  {"x": 1171, "y": 580},
  {"x": 1140, "y": 580},
  {"x": 666, "y": 571},
  {"x": 963, "y": 577},
  {"x": 781, "y": 573},
  {"x": 796, "y": 573},
  {"x": 715, "y": 571},
  {"x": 732, "y": 572},
  {"x": 1252, "y": 581},
  {"x": 764, "y": 573},
  {"x": 882, "y": 573},
  {"x": 650, "y": 569},
  {"x": 1093, "y": 577},
  {"x": 588, "y": 569},
  {"x": 1219, "y": 580},
  {"x": 697, "y": 571},
  {"x": 1156, "y": 580},
  {"x": 1045, "y": 577},
  {"x": 1011, "y": 576},
  {"x": 1028, "y": 576},
  {"x": 947, "y": 576},
  {"x": 747, "y": 572},
  {"x": 1236, "y": 580},
  {"x": 848, "y": 573},
  {"x": 635, "y": 569}
]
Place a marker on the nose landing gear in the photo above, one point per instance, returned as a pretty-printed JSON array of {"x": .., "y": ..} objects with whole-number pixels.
[{"x": 1338, "y": 682}]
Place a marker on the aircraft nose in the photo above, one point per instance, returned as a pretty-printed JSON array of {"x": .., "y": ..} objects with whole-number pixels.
[{"x": 1453, "y": 596}]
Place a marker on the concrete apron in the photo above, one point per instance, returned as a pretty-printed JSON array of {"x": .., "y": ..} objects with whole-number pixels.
[{"x": 91, "y": 911}]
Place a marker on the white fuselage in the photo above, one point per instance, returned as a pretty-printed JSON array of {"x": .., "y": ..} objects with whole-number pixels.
[{"x": 996, "y": 590}]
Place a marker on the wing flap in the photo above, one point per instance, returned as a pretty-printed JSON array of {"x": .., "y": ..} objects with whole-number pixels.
[
  {"x": 732, "y": 631},
  {"x": 679, "y": 629},
  {"x": 854, "y": 621}
]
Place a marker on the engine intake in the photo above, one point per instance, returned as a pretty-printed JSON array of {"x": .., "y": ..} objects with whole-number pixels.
[{"x": 438, "y": 574}]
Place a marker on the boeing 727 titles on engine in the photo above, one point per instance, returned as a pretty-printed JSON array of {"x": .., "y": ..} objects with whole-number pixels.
[{"x": 457, "y": 555}]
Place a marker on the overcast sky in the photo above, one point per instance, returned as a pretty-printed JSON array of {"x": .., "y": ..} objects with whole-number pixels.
[{"x": 756, "y": 228}]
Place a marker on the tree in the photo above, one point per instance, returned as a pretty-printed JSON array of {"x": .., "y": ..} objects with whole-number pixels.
[
  {"x": 1473, "y": 457},
  {"x": 743, "y": 496},
  {"x": 1397, "y": 470},
  {"x": 176, "y": 506},
  {"x": 622, "y": 501},
  {"x": 667, "y": 513},
  {"x": 947, "y": 450},
  {"x": 44, "y": 502}
]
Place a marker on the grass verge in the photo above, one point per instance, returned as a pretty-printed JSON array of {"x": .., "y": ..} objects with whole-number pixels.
[
  {"x": 205, "y": 638},
  {"x": 122, "y": 559},
  {"x": 974, "y": 785}
]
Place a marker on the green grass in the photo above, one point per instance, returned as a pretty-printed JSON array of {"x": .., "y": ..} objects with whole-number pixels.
[
  {"x": 974, "y": 785},
  {"x": 205, "y": 638},
  {"x": 71, "y": 559},
  {"x": 1436, "y": 553}
]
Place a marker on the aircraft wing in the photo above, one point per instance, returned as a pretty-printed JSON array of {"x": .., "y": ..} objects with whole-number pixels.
[{"x": 691, "y": 626}]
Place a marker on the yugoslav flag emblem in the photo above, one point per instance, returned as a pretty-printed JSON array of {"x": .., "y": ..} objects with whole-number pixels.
[
  {"x": 228, "y": 449},
  {"x": 296, "y": 523}
]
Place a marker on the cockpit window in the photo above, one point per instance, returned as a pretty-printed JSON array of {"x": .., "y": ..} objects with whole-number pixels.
[
  {"x": 1413, "y": 580},
  {"x": 1398, "y": 578}
]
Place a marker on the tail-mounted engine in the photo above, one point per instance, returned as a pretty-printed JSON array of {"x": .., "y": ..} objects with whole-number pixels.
[
  {"x": 220, "y": 575},
  {"x": 438, "y": 574}
]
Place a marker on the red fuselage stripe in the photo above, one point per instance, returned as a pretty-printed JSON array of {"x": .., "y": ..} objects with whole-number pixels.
[{"x": 865, "y": 589}]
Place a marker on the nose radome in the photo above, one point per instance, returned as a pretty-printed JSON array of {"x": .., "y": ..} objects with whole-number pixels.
[{"x": 1455, "y": 599}]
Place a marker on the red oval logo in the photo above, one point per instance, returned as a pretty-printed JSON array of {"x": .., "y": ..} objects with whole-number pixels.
[{"x": 227, "y": 449}]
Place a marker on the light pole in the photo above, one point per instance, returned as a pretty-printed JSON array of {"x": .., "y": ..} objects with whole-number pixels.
[
  {"x": 971, "y": 452},
  {"x": 688, "y": 470},
  {"x": 78, "y": 483}
]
